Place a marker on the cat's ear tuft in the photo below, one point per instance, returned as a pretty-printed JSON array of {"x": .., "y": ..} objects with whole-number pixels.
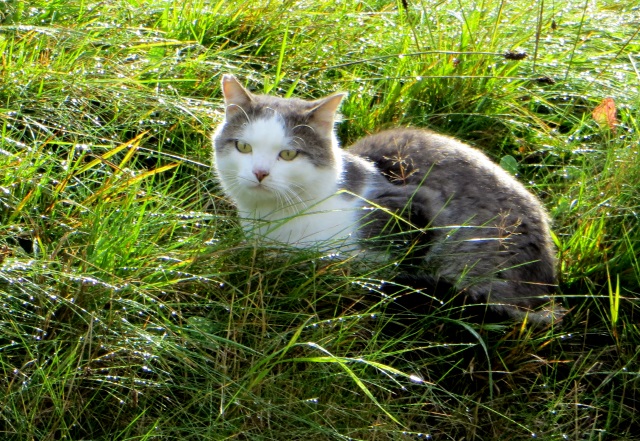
[
  {"x": 236, "y": 97},
  {"x": 323, "y": 115}
]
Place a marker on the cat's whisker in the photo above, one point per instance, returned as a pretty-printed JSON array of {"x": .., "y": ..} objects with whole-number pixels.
[
  {"x": 292, "y": 196},
  {"x": 295, "y": 139},
  {"x": 275, "y": 112},
  {"x": 291, "y": 189},
  {"x": 246, "y": 115},
  {"x": 288, "y": 204},
  {"x": 288, "y": 199},
  {"x": 298, "y": 187},
  {"x": 285, "y": 201},
  {"x": 303, "y": 126}
]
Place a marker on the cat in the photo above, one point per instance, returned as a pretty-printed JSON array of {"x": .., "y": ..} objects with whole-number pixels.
[{"x": 467, "y": 221}]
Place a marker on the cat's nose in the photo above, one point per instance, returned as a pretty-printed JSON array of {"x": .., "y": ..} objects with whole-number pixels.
[{"x": 261, "y": 174}]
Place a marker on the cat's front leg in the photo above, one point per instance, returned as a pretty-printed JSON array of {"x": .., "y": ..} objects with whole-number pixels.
[{"x": 398, "y": 221}]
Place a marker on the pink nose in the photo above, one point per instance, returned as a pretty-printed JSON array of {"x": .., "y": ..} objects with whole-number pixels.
[{"x": 261, "y": 174}]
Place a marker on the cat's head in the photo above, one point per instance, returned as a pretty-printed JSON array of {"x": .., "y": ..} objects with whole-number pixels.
[{"x": 276, "y": 152}]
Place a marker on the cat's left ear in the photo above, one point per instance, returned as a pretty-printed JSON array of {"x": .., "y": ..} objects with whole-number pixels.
[
  {"x": 323, "y": 115},
  {"x": 236, "y": 97}
]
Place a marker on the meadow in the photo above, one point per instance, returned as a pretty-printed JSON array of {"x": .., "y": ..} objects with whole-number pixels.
[{"x": 132, "y": 307}]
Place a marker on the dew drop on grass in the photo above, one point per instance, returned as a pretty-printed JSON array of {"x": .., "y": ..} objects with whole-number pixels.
[{"x": 416, "y": 379}]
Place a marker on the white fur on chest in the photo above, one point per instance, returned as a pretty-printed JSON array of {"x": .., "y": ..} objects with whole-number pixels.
[{"x": 333, "y": 219}]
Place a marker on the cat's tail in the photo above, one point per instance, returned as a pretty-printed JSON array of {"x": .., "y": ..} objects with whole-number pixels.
[{"x": 416, "y": 293}]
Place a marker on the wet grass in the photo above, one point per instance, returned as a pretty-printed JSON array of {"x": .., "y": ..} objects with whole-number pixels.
[{"x": 131, "y": 308}]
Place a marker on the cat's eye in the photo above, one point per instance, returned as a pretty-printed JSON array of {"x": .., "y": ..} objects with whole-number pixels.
[
  {"x": 243, "y": 147},
  {"x": 288, "y": 155}
]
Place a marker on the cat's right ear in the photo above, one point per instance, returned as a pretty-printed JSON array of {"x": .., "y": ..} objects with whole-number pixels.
[{"x": 236, "y": 97}]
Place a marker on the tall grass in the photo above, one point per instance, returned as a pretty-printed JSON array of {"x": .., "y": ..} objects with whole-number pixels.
[{"x": 132, "y": 308}]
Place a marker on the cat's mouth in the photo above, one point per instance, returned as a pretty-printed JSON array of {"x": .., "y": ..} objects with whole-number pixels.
[
  {"x": 261, "y": 186},
  {"x": 253, "y": 185}
]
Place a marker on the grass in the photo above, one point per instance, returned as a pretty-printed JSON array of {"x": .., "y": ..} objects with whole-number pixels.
[{"x": 132, "y": 309}]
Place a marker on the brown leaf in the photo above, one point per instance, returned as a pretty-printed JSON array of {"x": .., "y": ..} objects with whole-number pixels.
[{"x": 605, "y": 113}]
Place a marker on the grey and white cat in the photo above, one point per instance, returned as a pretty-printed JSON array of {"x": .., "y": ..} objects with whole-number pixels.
[{"x": 478, "y": 228}]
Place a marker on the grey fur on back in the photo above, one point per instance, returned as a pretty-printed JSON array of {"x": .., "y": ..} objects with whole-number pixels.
[{"x": 488, "y": 236}]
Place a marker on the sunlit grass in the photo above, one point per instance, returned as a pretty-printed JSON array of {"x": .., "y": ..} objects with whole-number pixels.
[{"x": 131, "y": 307}]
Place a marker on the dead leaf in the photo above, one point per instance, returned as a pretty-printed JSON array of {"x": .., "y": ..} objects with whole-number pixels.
[{"x": 605, "y": 113}]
